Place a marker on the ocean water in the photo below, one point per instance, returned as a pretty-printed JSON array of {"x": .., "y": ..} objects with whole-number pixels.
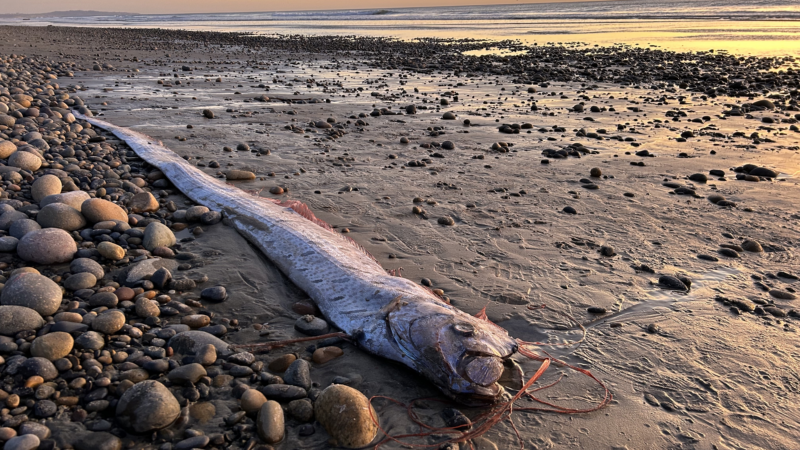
[{"x": 749, "y": 27}]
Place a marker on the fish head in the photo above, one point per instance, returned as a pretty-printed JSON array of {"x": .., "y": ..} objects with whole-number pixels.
[{"x": 461, "y": 354}]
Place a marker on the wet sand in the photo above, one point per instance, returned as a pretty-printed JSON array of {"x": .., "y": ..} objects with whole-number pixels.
[{"x": 686, "y": 371}]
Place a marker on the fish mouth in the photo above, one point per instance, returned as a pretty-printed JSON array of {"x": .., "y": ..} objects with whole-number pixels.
[
  {"x": 481, "y": 395},
  {"x": 481, "y": 369}
]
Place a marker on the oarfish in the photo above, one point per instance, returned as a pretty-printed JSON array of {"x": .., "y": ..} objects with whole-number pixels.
[{"x": 386, "y": 315}]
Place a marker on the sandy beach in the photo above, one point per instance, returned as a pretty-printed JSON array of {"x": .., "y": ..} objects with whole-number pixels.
[{"x": 590, "y": 180}]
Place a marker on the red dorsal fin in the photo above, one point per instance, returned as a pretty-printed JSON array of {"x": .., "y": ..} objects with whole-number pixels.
[
  {"x": 482, "y": 316},
  {"x": 303, "y": 209}
]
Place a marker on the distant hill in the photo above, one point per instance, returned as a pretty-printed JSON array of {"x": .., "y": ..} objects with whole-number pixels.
[{"x": 75, "y": 13}]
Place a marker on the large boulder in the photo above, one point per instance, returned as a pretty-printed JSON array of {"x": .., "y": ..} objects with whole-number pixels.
[{"x": 346, "y": 415}]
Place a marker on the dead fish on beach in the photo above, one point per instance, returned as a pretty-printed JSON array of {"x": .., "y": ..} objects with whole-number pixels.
[{"x": 384, "y": 314}]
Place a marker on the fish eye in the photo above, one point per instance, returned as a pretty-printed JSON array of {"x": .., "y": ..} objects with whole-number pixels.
[{"x": 464, "y": 329}]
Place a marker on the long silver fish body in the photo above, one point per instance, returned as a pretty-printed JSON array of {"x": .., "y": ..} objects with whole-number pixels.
[{"x": 386, "y": 315}]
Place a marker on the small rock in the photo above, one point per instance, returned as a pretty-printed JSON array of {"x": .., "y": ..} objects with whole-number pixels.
[
  {"x": 44, "y": 186},
  {"x": 270, "y": 422},
  {"x": 40, "y": 367},
  {"x": 81, "y": 265},
  {"x": 752, "y": 246},
  {"x": 298, "y": 374},
  {"x": 325, "y": 354},
  {"x": 215, "y": 294},
  {"x": 281, "y": 363},
  {"x": 47, "y": 246},
  {"x": 52, "y": 346},
  {"x": 454, "y": 418},
  {"x": 111, "y": 251},
  {"x": 447, "y": 220},
  {"x": 147, "y": 308},
  {"x": 782, "y": 295},
  {"x": 143, "y": 202},
  {"x": 311, "y": 326},
  {"x": 190, "y": 373},
  {"x": 302, "y": 410},
  {"x": 59, "y": 215},
  {"x": 240, "y": 175},
  {"x": 109, "y": 322},
  {"x": 671, "y": 282},
  {"x": 99, "y": 210},
  {"x": 90, "y": 340},
  {"x": 32, "y": 291},
  {"x": 252, "y": 400},
  {"x": 283, "y": 392},
  {"x": 25, "y": 442},
  {"x": 196, "y": 320},
  {"x": 190, "y": 342},
  {"x": 207, "y": 355},
  {"x": 147, "y": 406},
  {"x": 729, "y": 252},
  {"x": 158, "y": 235},
  {"x": 78, "y": 281},
  {"x": 99, "y": 440}
]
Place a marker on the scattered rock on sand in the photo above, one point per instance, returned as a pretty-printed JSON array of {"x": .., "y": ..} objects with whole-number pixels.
[
  {"x": 671, "y": 282},
  {"x": 325, "y": 354},
  {"x": 783, "y": 295},
  {"x": 240, "y": 175},
  {"x": 752, "y": 246}
]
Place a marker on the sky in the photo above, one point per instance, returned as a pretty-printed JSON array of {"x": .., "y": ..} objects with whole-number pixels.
[{"x": 211, "y": 6}]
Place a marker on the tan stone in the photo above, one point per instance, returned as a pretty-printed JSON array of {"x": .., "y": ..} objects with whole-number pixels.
[{"x": 98, "y": 210}]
